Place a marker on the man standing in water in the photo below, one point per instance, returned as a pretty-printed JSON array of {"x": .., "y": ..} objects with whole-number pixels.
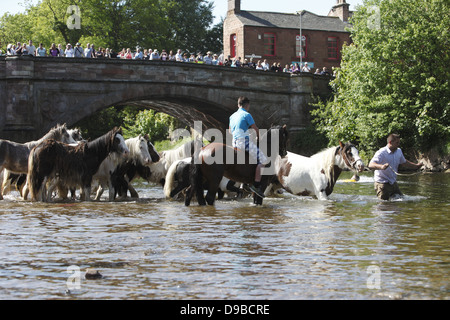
[
  {"x": 240, "y": 122},
  {"x": 385, "y": 162}
]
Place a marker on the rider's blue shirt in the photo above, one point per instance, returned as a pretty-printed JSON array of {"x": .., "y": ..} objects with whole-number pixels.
[{"x": 240, "y": 121}]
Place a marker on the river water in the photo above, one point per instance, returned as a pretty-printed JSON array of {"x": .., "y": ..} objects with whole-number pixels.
[{"x": 350, "y": 247}]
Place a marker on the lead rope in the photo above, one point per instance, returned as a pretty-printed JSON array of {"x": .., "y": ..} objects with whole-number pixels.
[{"x": 404, "y": 174}]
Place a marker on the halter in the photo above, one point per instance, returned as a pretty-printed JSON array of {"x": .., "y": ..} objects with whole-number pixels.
[{"x": 349, "y": 164}]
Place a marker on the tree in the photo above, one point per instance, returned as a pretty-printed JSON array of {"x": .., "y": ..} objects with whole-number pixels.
[{"x": 393, "y": 78}]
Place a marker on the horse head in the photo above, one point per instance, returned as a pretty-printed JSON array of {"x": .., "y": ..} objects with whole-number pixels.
[
  {"x": 118, "y": 142},
  {"x": 282, "y": 133},
  {"x": 151, "y": 149},
  {"x": 350, "y": 155}
]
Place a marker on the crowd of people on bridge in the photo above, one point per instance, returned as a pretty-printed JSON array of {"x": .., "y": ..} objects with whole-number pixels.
[{"x": 90, "y": 51}]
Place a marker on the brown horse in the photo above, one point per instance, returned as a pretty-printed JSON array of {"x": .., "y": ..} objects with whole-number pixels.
[
  {"x": 216, "y": 160},
  {"x": 72, "y": 166}
]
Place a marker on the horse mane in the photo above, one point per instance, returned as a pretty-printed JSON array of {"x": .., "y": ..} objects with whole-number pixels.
[
  {"x": 105, "y": 141},
  {"x": 326, "y": 160},
  {"x": 53, "y": 133},
  {"x": 183, "y": 151}
]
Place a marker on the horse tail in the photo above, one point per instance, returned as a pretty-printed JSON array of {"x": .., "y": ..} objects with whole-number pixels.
[
  {"x": 32, "y": 177},
  {"x": 170, "y": 178},
  {"x": 196, "y": 181}
]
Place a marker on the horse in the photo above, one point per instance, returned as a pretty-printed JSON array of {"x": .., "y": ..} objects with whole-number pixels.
[
  {"x": 206, "y": 166},
  {"x": 126, "y": 172},
  {"x": 160, "y": 168},
  {"x": 14, "y": 156},
  {"x": 72, "y": 165},
  {"x": 177, "y": 180},
  {"x": 20, "y": 179},
  {"x": 139, "y": 154},
  {"x": 317, "y": 175}
]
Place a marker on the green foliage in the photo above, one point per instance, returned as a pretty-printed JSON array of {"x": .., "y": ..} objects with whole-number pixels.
[
  {"x": 157, "y": 125},
  {"x": 117, "y": 24},
  {"x": 393, "y": 78}
]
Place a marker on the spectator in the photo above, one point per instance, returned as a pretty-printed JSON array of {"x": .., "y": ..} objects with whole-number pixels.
[
  {"x": 265, "y": 65},
  {"x": 108, "y": 53},
  {"x": 179, "y": 56},
  {"x": 317, "y": 71},
  {"x": 296, "y": 68},
  {"x": 274, "y": 67},
  {"x": 69, "y": 51},
  {"x": 171, "y": 56},
  {"x": 325, "y": 72},
  {"x": 99, "y": 54},
  {"x": 208, "y": 58},
  {"x": 215, "y": 60},
  {"x": 221, "y": 59},
  {"x": 287, "y": 69},
  {"x": 199, "y": 58},
  {"x": 54, "y": 52},
  {"x": 154, "y": 55},
  {"x": 24, "y": 49},
  {"x": 164, "y": 56},
  {"x": 128, "y": 54},
  {"x": 78, "y": 51},
  {"x": 306, "y": 68},
  {"x": 185, "y": 57},
  {"x": 18, "y": 49},
  {"x": 41, "y": 51},
  {"x": 88, "y": 51},
  {"x": 31, "y": 48},
  {"x": 138, "y": 55},
  {"x": 259, "y": 66},
  {"x": 60, "y": 51}
]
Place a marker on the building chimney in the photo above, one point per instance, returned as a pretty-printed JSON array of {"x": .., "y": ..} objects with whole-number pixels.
[
  {"x": 341, "y": 10},
  {"x": 234, "y": 7}
]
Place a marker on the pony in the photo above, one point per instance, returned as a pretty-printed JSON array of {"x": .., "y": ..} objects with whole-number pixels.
[
  {"x": 14, "y": 156},
  {"x": 126, "y": 172},
  {"x": 160, "y": 168},
  {"x": 317, "y": 174},
  {"x": 210, "y": 164},
  {"x": 72, "y": 165},
  {"x": 20, "y": 179},
  {"x": 139, "y": 154},
  {"x": 177, "y": 180}
]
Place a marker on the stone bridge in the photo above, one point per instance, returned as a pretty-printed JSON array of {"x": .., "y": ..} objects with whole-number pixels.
[{"x": 38, "y": 93}]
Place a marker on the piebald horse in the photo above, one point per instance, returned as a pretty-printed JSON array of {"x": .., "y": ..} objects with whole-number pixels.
[
  {"x": 207, "y": 170},
  {"x": 317, "y": 175}
]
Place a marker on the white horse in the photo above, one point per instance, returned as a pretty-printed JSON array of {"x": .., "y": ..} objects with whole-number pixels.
[
  {"x": 139, "y": 154},
  {"x": 167, "y": 157},
  {"x": 317, "y": 175}
]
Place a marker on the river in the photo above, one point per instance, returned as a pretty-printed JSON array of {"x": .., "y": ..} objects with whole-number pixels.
[{"x": 350, "y": 247}]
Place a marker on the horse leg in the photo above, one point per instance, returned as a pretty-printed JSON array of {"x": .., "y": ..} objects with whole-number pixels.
[
  {"x": 6, "y": 184},
  {"x": 213, "y": 186},
  {"x": 1, "y": 189}
]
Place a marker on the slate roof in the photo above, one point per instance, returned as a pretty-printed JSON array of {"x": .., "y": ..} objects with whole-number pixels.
[{"x": 310, "y": 21}]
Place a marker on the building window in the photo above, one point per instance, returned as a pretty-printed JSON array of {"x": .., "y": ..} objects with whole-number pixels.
[
  {"x": 304, "y": 46},
  {"x": 332, "y": 48},
  {"x": 233, "y": 45},
  {"x": 269, "y": 44}
]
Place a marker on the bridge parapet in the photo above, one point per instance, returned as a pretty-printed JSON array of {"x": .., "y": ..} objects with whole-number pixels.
[{"x": 38, "y": 92}]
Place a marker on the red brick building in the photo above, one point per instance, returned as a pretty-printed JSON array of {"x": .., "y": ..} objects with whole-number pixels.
[{"x": 276, "y": 36}]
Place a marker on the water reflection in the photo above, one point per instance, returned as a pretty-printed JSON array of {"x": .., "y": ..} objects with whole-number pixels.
[{"x": 289, "y": 248}]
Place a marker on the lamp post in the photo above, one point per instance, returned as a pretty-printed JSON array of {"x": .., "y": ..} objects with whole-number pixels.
[{"x": 300, "y": 13}]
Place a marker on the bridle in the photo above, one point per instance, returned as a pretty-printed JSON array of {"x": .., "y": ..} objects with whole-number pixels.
[{"x": 348, "y": 163}]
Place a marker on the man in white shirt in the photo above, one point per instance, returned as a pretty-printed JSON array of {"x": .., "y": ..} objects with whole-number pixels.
[
  {"x": 385, "y": 162},
  {"x": 31, "y": 48}
]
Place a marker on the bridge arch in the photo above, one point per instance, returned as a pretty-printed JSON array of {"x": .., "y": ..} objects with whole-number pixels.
[{"x": 38, "y": 92}]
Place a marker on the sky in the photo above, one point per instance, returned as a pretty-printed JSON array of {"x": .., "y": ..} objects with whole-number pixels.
[{"x": 320, "y": 7}]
